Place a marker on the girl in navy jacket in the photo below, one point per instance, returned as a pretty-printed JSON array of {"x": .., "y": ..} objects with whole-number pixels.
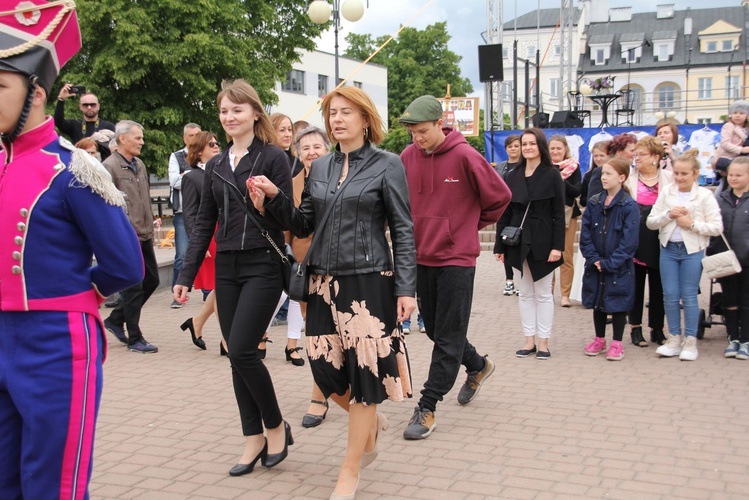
[{"x": 608, "y": 242}]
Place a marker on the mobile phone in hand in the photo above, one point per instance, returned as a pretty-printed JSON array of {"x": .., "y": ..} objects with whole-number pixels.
[{"x": 77, "y": 89}]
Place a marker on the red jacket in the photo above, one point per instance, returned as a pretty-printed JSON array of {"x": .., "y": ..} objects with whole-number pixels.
[{"x": 454, "y": 193}]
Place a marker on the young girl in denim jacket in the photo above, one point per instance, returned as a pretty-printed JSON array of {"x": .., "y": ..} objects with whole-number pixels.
[{"x": 608, "y": 241}]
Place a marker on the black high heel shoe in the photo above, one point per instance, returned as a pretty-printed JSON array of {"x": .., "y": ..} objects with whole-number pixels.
[
  {"x": 310, "y": 420},
  {"x": 198, "y": 341},
  {"x": 294, "y": 361},
  {"x": 261, "y": 352},
  {"x": 242, "y": 469},
  {"x": 277, "y": 458}
]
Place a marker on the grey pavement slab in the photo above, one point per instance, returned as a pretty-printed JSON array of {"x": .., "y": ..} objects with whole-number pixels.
[{"x": 570, "y": 427}]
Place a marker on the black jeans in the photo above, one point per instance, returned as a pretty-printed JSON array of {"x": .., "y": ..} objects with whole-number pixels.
[
  {"x": 445, "y": 295},
  {"x": 735, "y": 290},
  {"x": 133, "y": 299},
  {"x": 656, "y": 312},
  {"x": 248, "y": 286}
]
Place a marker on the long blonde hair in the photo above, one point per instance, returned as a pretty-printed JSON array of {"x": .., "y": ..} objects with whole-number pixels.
[
  {"x": 375, "y": 133},
  {"x": 241, "y": 92}
]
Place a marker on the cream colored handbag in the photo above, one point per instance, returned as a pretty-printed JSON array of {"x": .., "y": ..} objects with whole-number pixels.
[{"x": 721, "y": 264}]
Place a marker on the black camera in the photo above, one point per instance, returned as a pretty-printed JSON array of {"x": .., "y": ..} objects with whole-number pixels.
[{"x": 77, "y": 89}]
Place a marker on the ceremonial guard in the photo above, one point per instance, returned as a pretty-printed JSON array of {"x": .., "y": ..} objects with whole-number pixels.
[{"x": 58, "y": 211}]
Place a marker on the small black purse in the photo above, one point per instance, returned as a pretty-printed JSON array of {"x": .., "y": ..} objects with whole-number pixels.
[{"x": 510, "y": 235}]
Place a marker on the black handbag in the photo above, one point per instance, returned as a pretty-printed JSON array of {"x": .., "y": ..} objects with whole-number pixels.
[{"x": 510, "y": 235}]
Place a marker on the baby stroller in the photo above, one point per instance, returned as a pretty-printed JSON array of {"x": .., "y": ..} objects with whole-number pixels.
[{"x": 714, "y": 309}]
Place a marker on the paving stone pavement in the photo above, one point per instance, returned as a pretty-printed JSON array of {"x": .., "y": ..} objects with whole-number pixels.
[{"x": 570, "y": 427}]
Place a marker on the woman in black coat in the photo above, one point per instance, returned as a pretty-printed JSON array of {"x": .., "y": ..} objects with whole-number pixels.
[
  {"x": 734, "y": 207},
  {"x": 537, "y": 187}
]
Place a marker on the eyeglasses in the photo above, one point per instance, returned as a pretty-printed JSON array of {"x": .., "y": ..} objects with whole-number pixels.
[
  {"x": 214, "y": 144},
  {"x": 89, "y": 104}
]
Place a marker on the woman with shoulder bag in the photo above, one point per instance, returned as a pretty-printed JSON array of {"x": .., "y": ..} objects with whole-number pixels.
[
  {"x": 685, "y": 215},
  {"x": 734, "y": 208},
  {"x": 537, "y": 208},
  {"x": 358, "y": 290},
  {"x": 249, "y": 277}
]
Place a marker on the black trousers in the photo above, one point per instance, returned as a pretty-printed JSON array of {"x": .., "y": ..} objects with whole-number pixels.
[
  {"x": 656, "y": 313},
  {"x": 133, "y": 299},
  {"x": 248, "y": 286},
  {"x": 735, "y": 290},
  {"x": 445, "y": 296}
]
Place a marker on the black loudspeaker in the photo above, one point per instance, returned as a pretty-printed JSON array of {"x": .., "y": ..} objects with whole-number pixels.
[
  {"x": 565, "y": 119},
  {"x": 540, "y": 120},
  {"x": 490, "y": 63}
]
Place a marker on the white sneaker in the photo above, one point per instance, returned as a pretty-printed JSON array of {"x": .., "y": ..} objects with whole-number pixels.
[
  {"x": 672, "y": 347},
  {"x": 689, "y": 350}
]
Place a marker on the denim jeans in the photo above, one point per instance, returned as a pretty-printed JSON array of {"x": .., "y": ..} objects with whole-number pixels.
[
  {"x": 180, "y": 245},
  {"x": 680, "y": 275}
]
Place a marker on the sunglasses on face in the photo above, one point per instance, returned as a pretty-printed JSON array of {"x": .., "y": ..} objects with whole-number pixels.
[
  {"x": 89, "y": 104},
  {"x": 214, "y": 144}
]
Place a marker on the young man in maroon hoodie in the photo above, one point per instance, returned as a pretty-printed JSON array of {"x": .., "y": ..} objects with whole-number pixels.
[{"x": 454, "y": 193}]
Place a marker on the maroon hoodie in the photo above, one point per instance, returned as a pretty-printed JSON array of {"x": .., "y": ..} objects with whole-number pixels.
[{"x": 454, "y": 193}]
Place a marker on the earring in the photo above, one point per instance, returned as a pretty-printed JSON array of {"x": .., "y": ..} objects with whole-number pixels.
[{"x": 366, "y": 131}]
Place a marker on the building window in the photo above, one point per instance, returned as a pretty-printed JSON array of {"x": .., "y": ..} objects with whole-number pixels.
[
  {"x": 554, "y": 90},
  {"x": 505, "y": 53},
  {"x": 357, "y": 84},
  {"x": 600, "y": 56},
  {"x": 666, "y": 96},
  {"x": 530, "y": 52},
  {"x": 704, "y": 88},
  {"x": 506, "y": 91},
  {"x": 629, "y": 55},
  {"x": 711, "y": 47},
  {"x": 732, "y": 87},
  {"x": 322, "y": 85},
  {"x": 704, "y": 121},
  {"x": 557, "y": 50},
  {"x": 294, "y": 81},
  {"x": 727, "y": 46},
  {"x": 662, "y": 52}
]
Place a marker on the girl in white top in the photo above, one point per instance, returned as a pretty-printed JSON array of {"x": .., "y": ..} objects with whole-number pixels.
[{"x": 686, "y": 215}]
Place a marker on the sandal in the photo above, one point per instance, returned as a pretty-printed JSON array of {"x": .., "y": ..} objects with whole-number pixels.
[{"x": 310, "y": 420}]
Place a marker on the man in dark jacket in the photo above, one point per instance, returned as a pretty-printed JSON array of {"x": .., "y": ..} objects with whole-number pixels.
[
  {"x": 454, "y": 193},
  {"x": 130, "y": 176},
  {"x": 91, "y": 126}
]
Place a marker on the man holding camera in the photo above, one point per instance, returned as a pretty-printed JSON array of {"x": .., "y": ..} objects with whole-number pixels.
[{"x": 91, "y": 126}]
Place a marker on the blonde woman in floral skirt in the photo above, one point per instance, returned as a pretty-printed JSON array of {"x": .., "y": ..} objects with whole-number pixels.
[{"x": 358, "y": 291}]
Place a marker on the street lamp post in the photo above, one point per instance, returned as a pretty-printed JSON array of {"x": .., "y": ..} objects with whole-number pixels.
[
  {"x": 688, "y": 39},
  {"x": 319, "y": 12}
]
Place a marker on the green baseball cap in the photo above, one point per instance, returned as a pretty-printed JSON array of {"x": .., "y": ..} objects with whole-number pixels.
[{"x": 423, "y": 109}]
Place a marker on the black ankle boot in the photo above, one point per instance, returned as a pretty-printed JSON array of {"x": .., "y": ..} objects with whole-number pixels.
[
  {"x": 657, "y": 337},
  {"x": 637, "y": 338}
]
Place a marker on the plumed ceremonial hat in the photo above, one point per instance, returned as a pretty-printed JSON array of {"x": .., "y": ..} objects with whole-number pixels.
[{"x": 38, "y": 37}]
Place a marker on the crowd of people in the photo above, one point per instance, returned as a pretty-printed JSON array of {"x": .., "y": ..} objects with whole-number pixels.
[{"x": 378, "y": 233}]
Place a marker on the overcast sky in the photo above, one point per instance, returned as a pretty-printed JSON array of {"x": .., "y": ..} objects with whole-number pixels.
[{"x": 466, "y": 20}]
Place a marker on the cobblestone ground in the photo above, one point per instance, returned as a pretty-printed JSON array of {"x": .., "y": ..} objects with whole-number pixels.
[{"x": 570, "y": 427}]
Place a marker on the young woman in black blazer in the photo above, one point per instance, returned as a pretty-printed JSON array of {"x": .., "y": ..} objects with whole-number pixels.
[
  {"x": 249, "y": 276},
  {"x": 535, "y": 182}
]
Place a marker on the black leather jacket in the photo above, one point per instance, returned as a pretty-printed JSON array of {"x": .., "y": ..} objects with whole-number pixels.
[
  {"x": 374, "y": 194},
  {"x": 218, "y": 204}
]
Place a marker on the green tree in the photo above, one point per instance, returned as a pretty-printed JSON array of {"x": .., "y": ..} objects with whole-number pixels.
[
  {"x": 161, "y": 63},
  {"x": 418, "y": 63}
]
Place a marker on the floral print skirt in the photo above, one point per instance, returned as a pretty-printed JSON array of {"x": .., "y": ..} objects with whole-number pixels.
[{"x": 353, "y": 339}]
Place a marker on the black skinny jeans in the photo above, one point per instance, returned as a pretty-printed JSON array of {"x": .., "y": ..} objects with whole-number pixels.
[
  {"x": 735, "y": 290},
  {"x": 133, "y": 299},
  {"x": 248, "y": 286},
  {"x": 445, "y": 295},
  {"x": 656, "y": 313}
]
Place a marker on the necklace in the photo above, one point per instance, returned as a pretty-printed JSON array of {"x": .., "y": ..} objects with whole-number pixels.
[{"x": 647, "y": 179}]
